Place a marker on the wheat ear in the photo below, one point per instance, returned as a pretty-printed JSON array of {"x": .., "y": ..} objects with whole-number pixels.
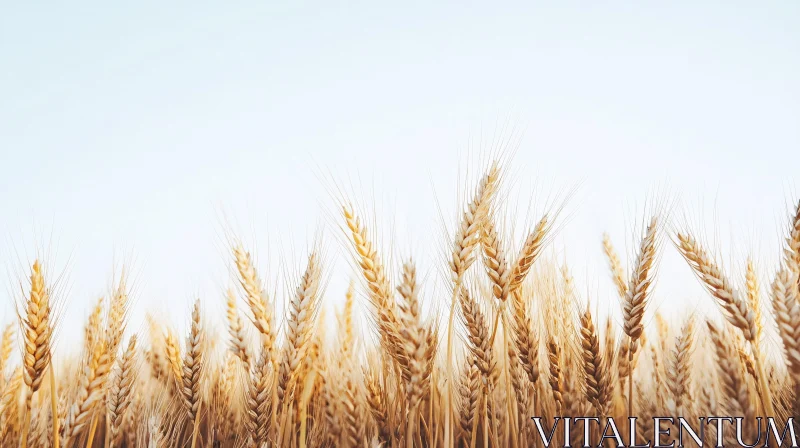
[
  {"x": 477, "y": 334},
  {"x": 305, "y": 399},
  {"x": 121, "y": 390},
  {"x": 786, "y": 308},
  {"x": 754, "y": 297},
  {"x": 792, "y": 250},
  {"x": 525, "y": 337},
  {"x": 420, "y": 346},
  {"x": 679, "y": 369},
  {"x": 117, "y": 319},
  {"x": 302, "y": 312},
  {"x": 736, "y": 309},
  {"x": 461, "y": 258},
  {"x": 494, "y": 259},
  {"x": 730, "y": 374},
  {"x": 91, "y": 391},
  {"x": 556, "y": 380},
  {"x": 352, "y": 414},
  {"x": 258, "y": 400},
  {"x": 37, "y": 328},
  {"x": 9, "y": 407},
  {"x": 469, "y": 388},
  {"x": 6, "y": 347},
  {"x": 639, "y": 285},
  {"x": 614, "y": 263},
  {"x": 192, "y": 370},
  {"x": 598, "y": 380},
  {"x": 523, "y": 333},
  {"x": 238, "y": 337},
  {"x": 346, "y": 321},
  {"x": 635, "y": 301},
  {"x": 257, "y": 300},
  {"x": 378, "y": 287},
  {"x": 172, "y": 350}
]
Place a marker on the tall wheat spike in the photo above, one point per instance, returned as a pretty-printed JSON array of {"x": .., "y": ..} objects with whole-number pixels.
[
  {"x": 37, "y": 330},
  {"x": 730, "y": 374},
  {"x": 302, "y": 312},
  {"x": 556, "y": 380},
  {"x": 495, "y": 260},
  {"x": 617, "y": 273},
  {"x": 6, "y": 347},
  {"x": 735, "y": 308},
  {"x": 193, "y": 369},
  {"x": 786, "y": 308},
  {"x": 679, "y": 371},
  {"x": 9, "y": 408},
  {"x": 258, "y": 400},
  {"x": 91, "y": 391},
  {"x": 636, "y": 297},
  {"x": 754, "y": 297},
  {"x": 639, "y": 285},
  {"x": 792, "y": 250},
  {"x": 121, "y": 391},
  {"x": 420, "y": 346},
  {"x": 236, "y": 331},
  {"x": 461, "y": 258},
  {"x": 260, "y": 307},
  {"x": 596, "y": 374}
]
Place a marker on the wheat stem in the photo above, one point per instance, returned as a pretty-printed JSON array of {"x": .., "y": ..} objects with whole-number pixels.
[
  {"x": 92, "y": 429},
  {"x": 53, "y": 404}
]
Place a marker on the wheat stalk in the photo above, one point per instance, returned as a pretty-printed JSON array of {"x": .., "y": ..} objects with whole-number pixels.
[
  {"x": 121, "y": 390},
  {"x": 792, "y": 250},
  {"x": 258, "y": 400},
  {"x": 255, "y": 296},
  {"x": 786, "y": 309},
  {"x": 754, "y": 298},
  {"x": 679, "y": 370},
  {"x": 596, "y": 374},
  {"x": 302, "y": 311},
  {"x": 494, "y": 259},
  {"x": 37, "y": 329},
  {"x": 730, "y": 374},
  {"x": 9, "y": 409},
  {"x": 192, "y": 370},
  {"x": 617, "y": 273},
  {"x": 639, "y": 285},
  {"x": 461, "y": 258},
  {"x": 6, "y": 347},
  {"x": 477, "y": 334},
  {"x": 420, "y": 346},
  {"x": 352, "y": 415},
  {"x": 238, "y": 337},
  {"x": 90, "y": 392},
  {"x": 378, "y": 288},
  {"x": 555, "y": 378},
  {"x": 736, "y": 309},
  {"x": 636, "y": 295}
]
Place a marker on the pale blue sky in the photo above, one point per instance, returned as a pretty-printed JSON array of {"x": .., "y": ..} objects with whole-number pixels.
[{"x": 127, "y": 131}]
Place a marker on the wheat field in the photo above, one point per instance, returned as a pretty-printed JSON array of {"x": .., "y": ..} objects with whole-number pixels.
[{"x": 509, "y": 339}]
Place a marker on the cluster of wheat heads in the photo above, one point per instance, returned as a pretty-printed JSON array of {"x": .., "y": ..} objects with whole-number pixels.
[{"x": 514, "y": 340}]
